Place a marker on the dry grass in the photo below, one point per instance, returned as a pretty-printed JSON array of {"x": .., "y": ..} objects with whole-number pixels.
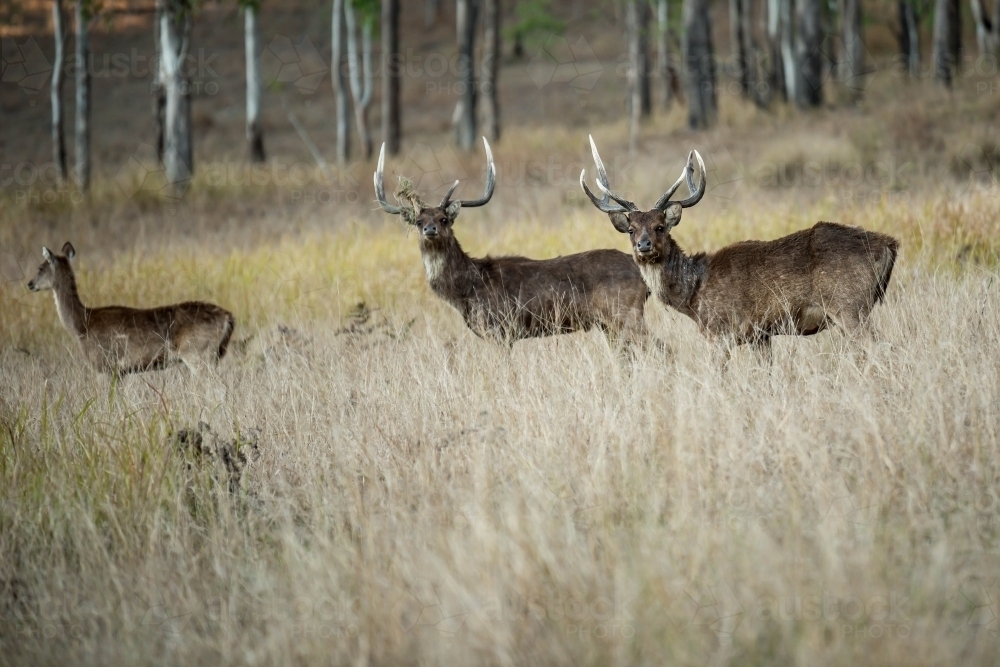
[{"x": 410, "y": 494}]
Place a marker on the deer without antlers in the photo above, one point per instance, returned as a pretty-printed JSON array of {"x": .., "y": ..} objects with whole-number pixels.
[
  {"x": 750, "y": 291},
  {"x": 512, "y": 298},
  {"x": 119, "y": 340}
]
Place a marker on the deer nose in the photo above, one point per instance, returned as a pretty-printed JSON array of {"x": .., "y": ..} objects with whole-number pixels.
[
  {"x": 644, "y": 246},
  {"x": 431, "y": 230}
]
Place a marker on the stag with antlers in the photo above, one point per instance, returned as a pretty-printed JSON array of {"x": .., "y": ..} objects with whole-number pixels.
[
  {"x": 512, "y": 298},
  {"x": 800, "y": 284}
]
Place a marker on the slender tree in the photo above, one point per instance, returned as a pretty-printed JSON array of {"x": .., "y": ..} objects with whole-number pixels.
[
  {"x": 852, "y": 59},
  {"x": 255, "y": 132},
  {"x": 987, "y": 29},
  {"x": 430, "y": 13},
  {"x": 82, "y": 124},
  {"x": 158, "y": 91},
  {"x": 663, "y": 51},
  {"x": 808, "y": 55},
  {"x": 699, "y": 61},
  {"x": 465, "y": 112},
  {"x": 738, "y": 15},
  {"x": 636, "y": 75},
  {"x": 175, "y": 36},
  {"x": 360, "y": 70},
  {"x": 947, "y": 40},
  {"x": 909, "y": 35},
  {"x": 491, "y": 68},
  {"x": 775, "y": 36},
  {"x": 788, "y": 56},
  {"x": 58, "y": 137},
  {"x": 391, "y": 76},
  {"x": 340, "y": 83}
]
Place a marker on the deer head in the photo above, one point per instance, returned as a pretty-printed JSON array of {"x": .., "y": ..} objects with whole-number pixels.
[
  {"x": 52, "y": 268},
  {"x": 649, "y": 231},
  {"x": 434, "y": 222}
]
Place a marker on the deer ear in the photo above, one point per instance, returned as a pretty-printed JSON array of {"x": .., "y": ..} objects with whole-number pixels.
[
  {"x": 453, "y": 209},
  {"x": 47, "y": 254},
  {"x": 68, "y": 250},
  {"x": 672, "y": 215},
  {"x": 620, "y": 221}
]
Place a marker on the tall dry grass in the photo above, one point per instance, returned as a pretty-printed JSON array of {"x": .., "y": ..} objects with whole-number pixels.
[
  {"x": 420, "y": 496},
  {"x": 410, "y": 494}
]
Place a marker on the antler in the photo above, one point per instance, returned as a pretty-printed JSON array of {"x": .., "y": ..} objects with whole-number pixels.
[
  {"x": 604, "y": 203},
  {"x": 380, "y": 186},
  {"x": 697, "y": 192},
  {"x": 605, "y": 185},
  {"x": 491, "y": 176},
  {"x": 696, "y": 195}
]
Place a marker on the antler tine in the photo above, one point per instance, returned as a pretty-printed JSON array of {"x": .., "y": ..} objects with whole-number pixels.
[
  {"x": 380, "y": 186},
  {"x": 604, "y": 204},
  {"x": 447, "y": 195},
  {"x": 699, "y": 192},
  {"x": 602, "y": 180},
  {"x": 491, "y": 180},
  {"x": 662, "y": 202}
]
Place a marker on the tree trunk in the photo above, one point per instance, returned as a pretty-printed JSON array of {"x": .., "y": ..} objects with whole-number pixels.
[
  {"x": 852, "y": 60},
  {"x": 788, "y": 51},
  {"x": 339, "y": 84},
  {"x": 775, "y": 37},
  {"x": 909, "y": 37},
  {"x": 750, "y": 54},
  {"x": 986, "y": 29},
  {"x": 82, "y": 125},
  {"x": 465, "y": 113},
  {"x": 175, "y": 33},
  {"x": 947, "y": 40},
  {"x": 255, "y": 133},
  {"x": 699, "y": 61},
  {"x": 58, "y": 137},
  {"x": 491, "y": 68},
  {"x": 809, "y": 58},
  {"x": 663, "y": 51},
  {"x": 737, "y": 43},
  {"x": 158, "y": 93},
  {"x": 360, "y": 74},
  {"x": 430, "y": 13},
  {"x": 392, "y": 66}
]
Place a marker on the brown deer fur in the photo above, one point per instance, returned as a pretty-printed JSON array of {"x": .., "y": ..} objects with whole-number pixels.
[
  {"x": 512, "y": 298},
  {"x": 747, "y": 292},
  {"x": 119, "y": 340}
]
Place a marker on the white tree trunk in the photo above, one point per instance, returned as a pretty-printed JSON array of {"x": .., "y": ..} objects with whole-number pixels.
[
  {"x": 339, "y": 84},
  {"x": 58, "y": 137},
  {"x": 787, "y": 49},
  {"x": 255, "y": 133},
  {"x": 360, "y": 74},
  {"x": 82, "y": 124},
  {"x": 175, "y": 30}
]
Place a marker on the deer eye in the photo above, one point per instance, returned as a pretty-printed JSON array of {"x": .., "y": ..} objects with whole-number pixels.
[
  {"x": 631, "y": 232},
  {"x": 661, "y": 228}
]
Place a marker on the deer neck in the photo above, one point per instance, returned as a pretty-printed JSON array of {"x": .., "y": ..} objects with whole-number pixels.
[
  {"x": 71, "y": 310},
  {"x": 676, "y": 278},
  {"x": 450, "y": 272}
]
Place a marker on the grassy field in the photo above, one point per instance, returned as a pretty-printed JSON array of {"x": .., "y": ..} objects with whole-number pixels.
[{"x": 363, "y": 481}]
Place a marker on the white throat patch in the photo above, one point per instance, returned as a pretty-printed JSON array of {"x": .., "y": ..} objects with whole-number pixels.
[
  {"x": 433, "y": 266},
  {"x": 652, "y": 275}
]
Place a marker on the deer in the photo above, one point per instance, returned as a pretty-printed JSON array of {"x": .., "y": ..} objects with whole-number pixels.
[
  {"x": 748, "y": 292},
  {"x": 118, "y": 340},
  {"x": 511, "y": 298}
]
